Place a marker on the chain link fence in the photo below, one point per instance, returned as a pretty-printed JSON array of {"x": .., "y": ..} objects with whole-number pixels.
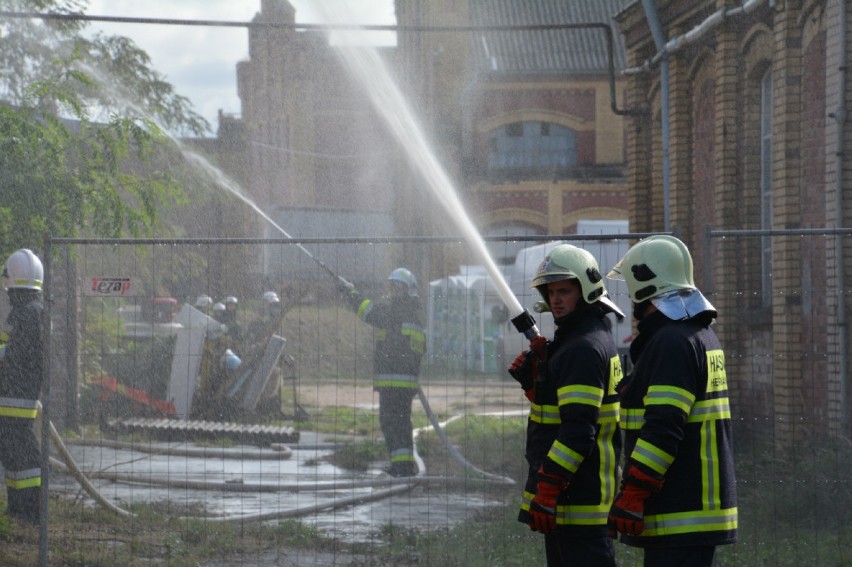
[{"x": 189, "y": 434}]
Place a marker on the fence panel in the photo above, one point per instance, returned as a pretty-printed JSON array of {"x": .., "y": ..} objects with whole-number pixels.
[{"x": 277, "y": 457}]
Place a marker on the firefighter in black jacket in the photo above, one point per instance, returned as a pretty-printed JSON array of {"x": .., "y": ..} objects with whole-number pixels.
[
  {"x": 20, "y": 385},
  {"x": 400, "y": 344},
  {"x": 573, "y": 441},
  {"x": 678, "y": 497}
]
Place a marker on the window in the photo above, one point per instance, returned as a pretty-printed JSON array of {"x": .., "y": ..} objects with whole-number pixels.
[
  {"x": 532, "y": 145},
  {"x": 766, "y": 186}
]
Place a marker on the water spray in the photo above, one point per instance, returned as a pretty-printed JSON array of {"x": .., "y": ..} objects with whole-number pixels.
[
  {"x": 217, "y": 175},
  {"x": 372, "y": 73}
]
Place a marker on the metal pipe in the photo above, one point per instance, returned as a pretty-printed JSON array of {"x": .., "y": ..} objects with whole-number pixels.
[
  {"x": 839, "y": 116},
  {"x": 656, "y": 28},
  {"x": 713, "y": 21}
]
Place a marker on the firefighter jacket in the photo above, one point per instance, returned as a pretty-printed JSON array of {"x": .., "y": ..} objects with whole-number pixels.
[
  {"x": 400, "y": 339},
  {"x": 677, "y": 423},
  {"x": 572, "y": 429},
  {"x": 21, "y": 366}
]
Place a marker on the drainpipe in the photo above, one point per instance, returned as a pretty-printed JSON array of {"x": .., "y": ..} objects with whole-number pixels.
[
  {"x": 839, "y": 116},
  {"x": 660, "y": 42}
]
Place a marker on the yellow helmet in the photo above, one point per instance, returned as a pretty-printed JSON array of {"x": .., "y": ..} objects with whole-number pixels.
[
  {"x": 567, "y": 262},
  {"x": 655, "y": 266}
]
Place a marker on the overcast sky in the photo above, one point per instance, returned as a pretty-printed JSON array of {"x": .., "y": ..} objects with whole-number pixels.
[{"x": 201, "y": 61}]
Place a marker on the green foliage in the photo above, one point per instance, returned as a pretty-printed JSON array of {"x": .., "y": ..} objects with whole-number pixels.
[{"x": 76, "y": 153}]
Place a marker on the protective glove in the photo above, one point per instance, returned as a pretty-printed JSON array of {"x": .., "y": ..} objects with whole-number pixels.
[
  {"x": 543, "y": 507},
  {"x": 539, "y": 346},
  {"x": 525, "y": 367},
  {"x": 627, "y": 514}
]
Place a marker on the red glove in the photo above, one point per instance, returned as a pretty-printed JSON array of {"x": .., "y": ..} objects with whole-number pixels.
[
  {"x": 538, "y": 346},
  {"x": 628, "y": 511},
  {"x": 524, "y": 369},
  {"x": 543, "y": 506}
]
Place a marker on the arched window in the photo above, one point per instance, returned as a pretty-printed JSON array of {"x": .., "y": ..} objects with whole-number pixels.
[{"x": 532, "y": 145}]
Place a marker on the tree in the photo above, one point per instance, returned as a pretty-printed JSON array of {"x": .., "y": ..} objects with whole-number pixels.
[{"x": 75, "y": 149}]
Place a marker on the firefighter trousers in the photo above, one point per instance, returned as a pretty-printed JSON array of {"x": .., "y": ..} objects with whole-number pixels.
[
  {"x": 395, "y": 421},
  {"x": 21, "y": 458}
]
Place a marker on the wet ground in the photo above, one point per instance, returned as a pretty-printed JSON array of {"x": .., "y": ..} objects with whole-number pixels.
[{"x": 245, "y": 483}]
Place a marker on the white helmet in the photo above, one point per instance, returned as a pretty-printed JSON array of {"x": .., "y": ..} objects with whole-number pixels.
[
  {"x": 218, "y": 307},
  {"x": 230, "y": 300},
  {"x": 405, "y": 277},
  {"x": 203, "y": 301},
  {"x": 271, "y": 297},
  {"x": 23, "y": 270}
]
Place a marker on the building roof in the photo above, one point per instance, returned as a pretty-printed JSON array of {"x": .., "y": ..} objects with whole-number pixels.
[{"x": 572, "y": 51}]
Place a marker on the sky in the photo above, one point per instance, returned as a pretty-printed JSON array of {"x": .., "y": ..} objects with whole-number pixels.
[{"x": 201, "y": 61}]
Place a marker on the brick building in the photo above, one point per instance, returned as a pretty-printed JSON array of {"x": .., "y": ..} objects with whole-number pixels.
[
  {"x": 755, "y": 131},
  {"x": 532, "y": 143},
  {"x": 524, "y": 118}
]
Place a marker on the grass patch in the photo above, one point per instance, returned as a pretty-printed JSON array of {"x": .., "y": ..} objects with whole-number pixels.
[{"x": 341, "y": 419}]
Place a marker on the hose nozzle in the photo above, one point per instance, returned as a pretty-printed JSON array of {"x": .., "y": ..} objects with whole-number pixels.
[{"x": 525, "y": 324}]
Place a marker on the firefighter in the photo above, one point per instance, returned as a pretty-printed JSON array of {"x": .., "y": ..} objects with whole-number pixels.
[
  {"x": 229, "y": 317},
  {"x": 203, "y": 303},
  {"x": 219, "y": 311},
  {"x": 20, "y": 385},
  {"x": 573, "y": 441},
  {"x": 677, "y": 497},
  {"x": 400, "y": 345}
]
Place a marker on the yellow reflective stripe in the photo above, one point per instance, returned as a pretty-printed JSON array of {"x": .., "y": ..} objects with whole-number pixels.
[
  {"x": 670, "y": 396},
  {"x": 365, "y": 307},
  {"x": 576, "y": 515},
  {"x": 18, "y": 412},
  {"x": 526, "y": 500},
  {"x": 36, "y": 284},
  {"x": 18, "y": 407},
  {"x": 416, "y": 337},
  {"x": 579, "y": 394},
  {"x": 23, "y": 479},
  {"x": 608, "y": 460},
  {"x": 690, "y": 522},
  {"x": 709, "y": 410},
  {"x": 631, "y": 418},
  {"x": 395, "y": 381},
  {"x": 545, "y": 414},
  {"x": 652, "y": 456},
  {"x": 711, "y": 498},
  {"x": 609, "y": 413},
  {"x": 564, "y": 456},
  {"x": 402, "y": 456}
]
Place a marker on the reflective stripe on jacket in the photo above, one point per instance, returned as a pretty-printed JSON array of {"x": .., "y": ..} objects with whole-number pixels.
[
  {"x": 572, "y": 429},
  {"x": 677, "y": 421}
]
